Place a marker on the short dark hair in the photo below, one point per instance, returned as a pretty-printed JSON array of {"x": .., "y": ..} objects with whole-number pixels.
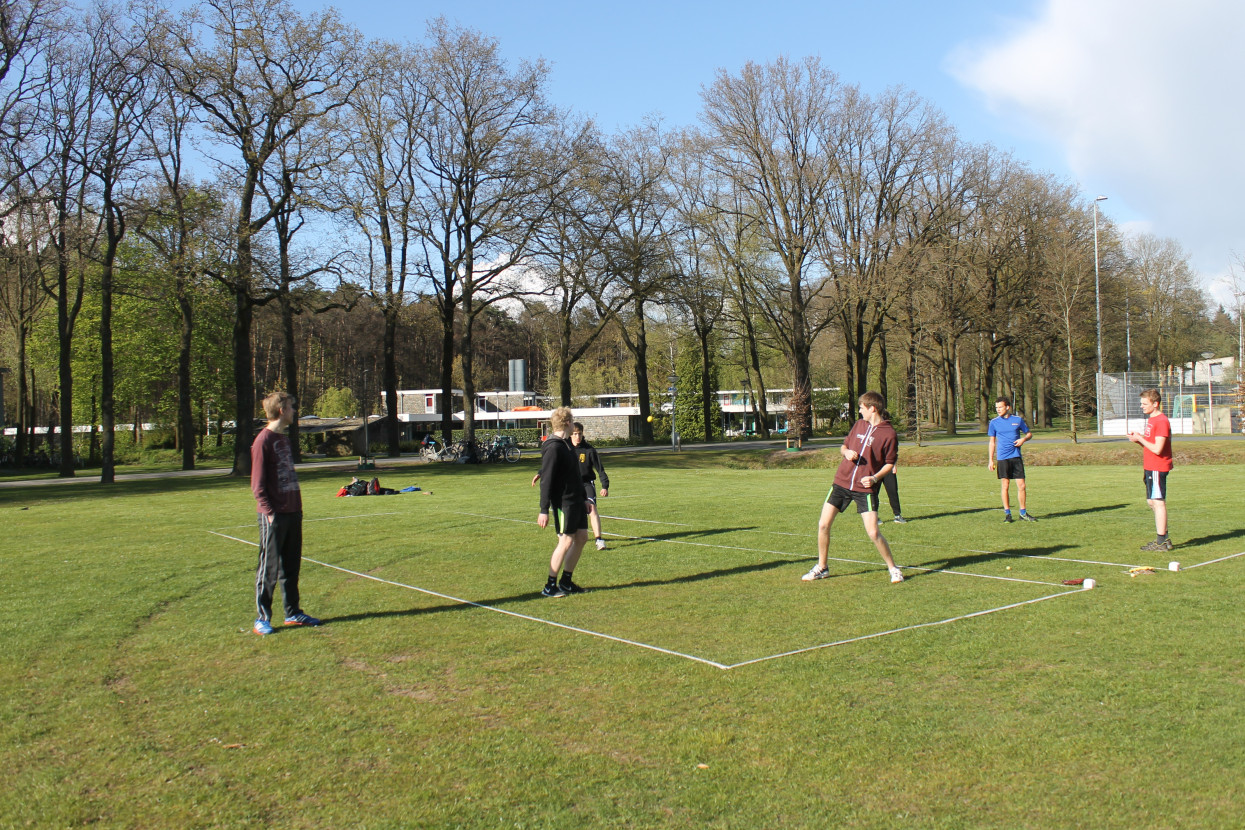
[{"x": 1004, "y": 399}]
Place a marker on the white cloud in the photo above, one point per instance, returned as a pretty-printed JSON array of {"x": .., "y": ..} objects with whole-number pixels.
[{"x": 1143, "y": 98}]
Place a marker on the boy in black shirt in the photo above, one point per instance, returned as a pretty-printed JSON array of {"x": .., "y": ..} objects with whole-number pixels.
[
  {"x": 589, "y": 466},
  {"x": 562, "y": 490}
]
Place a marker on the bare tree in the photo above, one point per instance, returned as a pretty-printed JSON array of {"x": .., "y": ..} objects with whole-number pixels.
[
  {"x": 774, "y": 132},
  {"x": 377, "y": 189},
  {"x": 698, "y": 288},
  {"x": 630, "y": 184},
  {"x": 1168, "y": 300},
  {"x": 484, "y": 169},
  {"x": 882, "y": 154},
  {"x": 259, "y": 73},
  {"x": 128, "y": 96}
]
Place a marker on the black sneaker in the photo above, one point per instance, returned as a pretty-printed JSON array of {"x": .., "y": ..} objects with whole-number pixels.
[
  {"x": 1027, "y": 517},
  {"x": 571, "y": 588},
  {"x": 553, "y": 591},
  {"x": 1007, "y": 518}
]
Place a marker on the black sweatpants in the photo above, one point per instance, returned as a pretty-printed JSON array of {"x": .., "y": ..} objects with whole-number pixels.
[
  {"x": 280, "y": 556},
  {"x": 892, "y": 491}
]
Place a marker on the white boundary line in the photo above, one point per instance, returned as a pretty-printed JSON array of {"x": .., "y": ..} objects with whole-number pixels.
[
  {"x": 905, "y": 628},
  {"x": 635, "y": 643},
  {"x": 523, "y": 616},
  {"x": 897, "y": 542},
  {"x": 659, "y": 649},
  {"x": 1213, "y": 561}
]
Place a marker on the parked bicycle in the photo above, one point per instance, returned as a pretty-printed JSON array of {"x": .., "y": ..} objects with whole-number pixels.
[
  {"x": 432, "y": 450},
  {"x": 502, "y": 448}
]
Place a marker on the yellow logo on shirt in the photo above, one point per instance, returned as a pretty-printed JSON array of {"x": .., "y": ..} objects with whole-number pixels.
[{"x": 583, "y": 456}]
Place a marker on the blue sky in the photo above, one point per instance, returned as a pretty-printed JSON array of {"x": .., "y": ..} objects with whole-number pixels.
[{"x": 1139, "y": 100}]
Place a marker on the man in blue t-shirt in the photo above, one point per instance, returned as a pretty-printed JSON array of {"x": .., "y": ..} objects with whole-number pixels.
[{"x": 1007, "y": 433}]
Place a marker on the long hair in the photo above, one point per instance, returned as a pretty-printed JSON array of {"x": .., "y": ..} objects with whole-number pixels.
[{"x": 876, "y": 401}]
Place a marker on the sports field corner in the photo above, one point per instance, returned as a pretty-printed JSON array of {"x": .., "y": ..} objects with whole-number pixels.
[{"x": 699, "y": 683}]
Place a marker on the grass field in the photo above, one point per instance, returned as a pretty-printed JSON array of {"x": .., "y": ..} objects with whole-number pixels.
[{"x": 699, "y": 684}]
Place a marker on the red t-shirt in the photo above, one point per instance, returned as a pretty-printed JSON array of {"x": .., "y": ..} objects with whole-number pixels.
[
  {"x": 1157, "y": 426},
  {"x": 877, "y": 446},
  {"x": 273, "y": 479}
]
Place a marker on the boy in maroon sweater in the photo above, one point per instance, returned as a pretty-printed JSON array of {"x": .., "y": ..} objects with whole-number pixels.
[
  {"x": 279, "y": 503},
  {"x": 869, "y": 453}
]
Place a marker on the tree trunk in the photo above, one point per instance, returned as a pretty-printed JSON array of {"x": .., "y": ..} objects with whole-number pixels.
[
  {"x": 289, "y": 356},
  {"x": 185, "y": 388},
  {"x": 244, "y": 380}
]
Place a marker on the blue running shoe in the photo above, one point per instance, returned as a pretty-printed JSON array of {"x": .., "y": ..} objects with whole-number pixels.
[
  {"x": 301, "y": 619},
  {"x": 262, "y": 627}
]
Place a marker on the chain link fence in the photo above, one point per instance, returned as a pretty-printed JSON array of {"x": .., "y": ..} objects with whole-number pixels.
[{"x": 1208, "y": 407}]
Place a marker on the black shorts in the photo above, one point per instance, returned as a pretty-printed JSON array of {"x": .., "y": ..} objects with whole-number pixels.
[
  {"x": 1013, "y": 468},
  {"x": 570, "y": 517},
  {"x": 1156, "y": 485},
  {"x": 840, "y": 497},
  {"x": 590, "y": 492}
]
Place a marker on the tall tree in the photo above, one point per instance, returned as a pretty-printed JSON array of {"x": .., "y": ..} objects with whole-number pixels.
[
  {"x": 774, "y": 131},
  {"x": 258, "y": 73},
  {"x": 377, "y": 189},
  {"x": 487, "y": 158},
  {"x": 128, "y": 97}
]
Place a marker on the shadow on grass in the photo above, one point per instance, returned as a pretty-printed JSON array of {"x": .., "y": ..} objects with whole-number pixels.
[
  {"x": 634, "y": 541},
  {"x": 945, "y": 513},
  {"x": 535, "y": 594},
  {"x": 1217, "y": 537},
  {"x": 1081, "y": 511},
  {"x": 968, "y": 561}
]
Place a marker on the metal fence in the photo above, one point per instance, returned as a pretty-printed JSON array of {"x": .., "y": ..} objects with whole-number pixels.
[{"x": 1206, "y": 407}]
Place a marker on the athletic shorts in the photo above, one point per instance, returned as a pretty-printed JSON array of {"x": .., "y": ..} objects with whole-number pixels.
[
  {"x": 570, "y": 518},
  {"x": 590, "y": 492},
  {"x": 1011, "y": 468},
  {"x": 1156, "y": 485},
  {"x": 840, "y": 497}
]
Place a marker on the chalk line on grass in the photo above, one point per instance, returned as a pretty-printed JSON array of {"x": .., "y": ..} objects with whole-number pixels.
[
  {"x": 1212, "y": 561},
  {"x": 899, "y": 630},
  {"x": 666, "y": 651},
  {"x": 462, "y": 601},
  {"x": 900, "y": 543}
]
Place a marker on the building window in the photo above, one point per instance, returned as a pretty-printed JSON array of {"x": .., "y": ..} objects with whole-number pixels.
[{"x": 430, "y": 403}]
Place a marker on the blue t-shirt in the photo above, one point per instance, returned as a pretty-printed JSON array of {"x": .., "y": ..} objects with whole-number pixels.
[{"x": 1007, "y": 431}]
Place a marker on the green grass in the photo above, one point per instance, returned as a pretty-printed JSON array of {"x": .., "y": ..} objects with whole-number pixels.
[{"x": 134, "y": 694}]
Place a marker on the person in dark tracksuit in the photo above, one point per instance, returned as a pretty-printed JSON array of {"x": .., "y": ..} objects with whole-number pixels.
[
  {"x": 589, "y": 466},
  {"x": 562, "y": 492},
  {"x": 279, "y": 503}
]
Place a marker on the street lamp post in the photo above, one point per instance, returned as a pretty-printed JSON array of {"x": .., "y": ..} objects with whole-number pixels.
[
  {"x": 1210, "y": 396},
  {"x": 1098, "y": 319}
]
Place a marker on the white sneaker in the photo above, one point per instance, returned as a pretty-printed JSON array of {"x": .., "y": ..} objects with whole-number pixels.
[
  {"x": 896, "y": 575},
  {"x": 818, "y": 572},
  {"x": 600, "y": 543}
]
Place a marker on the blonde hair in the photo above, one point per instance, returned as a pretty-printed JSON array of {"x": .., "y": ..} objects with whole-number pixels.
[
  {"x": 561, "y": 419},
  {"x": 274, "y": 403},
  {"x": 1152, "y": 395}
]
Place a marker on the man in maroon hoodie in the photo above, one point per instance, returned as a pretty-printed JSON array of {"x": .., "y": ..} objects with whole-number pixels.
[
  {"x": 280, "y": 505},
  {"x": 869, "y": 453}
]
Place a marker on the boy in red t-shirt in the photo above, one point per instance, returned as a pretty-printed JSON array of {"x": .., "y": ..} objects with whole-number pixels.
[
  {"x": 869, "y": 452},
  {"x": 1156, "y": 461}
]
